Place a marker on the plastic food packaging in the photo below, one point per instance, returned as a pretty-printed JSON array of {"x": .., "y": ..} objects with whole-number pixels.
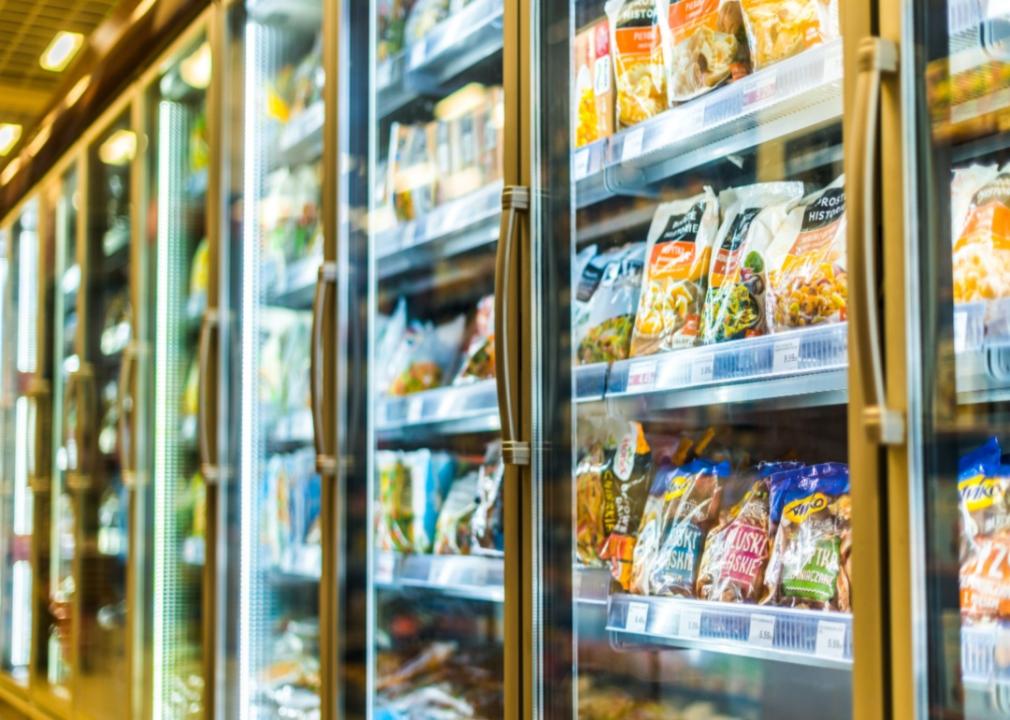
[
  {"x": 589, "y": 532},
  {"x": 411, "y": 488},
  {"x": 735, "y": 306},
  {"x": 678, "y": 256},
  {"x": 807, "y": 278},
  {"x": 625, "y": 483},
  {"x": 391, "y": 17},
  {"x": 412, "y": 171},
  {"x": 604, "y": 322},
  {"x": 704, "y": 44},
  {"x": 432, "y": 353},
  {"x": 594, "y": 84},
  {"x": 650, "y": 530},
  {"x": 391, "y": 343},
  {"x": 453, "y": 528},
  {"x": 478, "y": 360},
  {"x": 778, "y": 29},
  {"x": 982, "y": 250},
  {"x": 488, "y": 532},
  {"x": 810, "y": 562},
  {"x": 424, "y": 16},
  {"x": 692, "y": 507},
  {"x": 637, "y": 45}
]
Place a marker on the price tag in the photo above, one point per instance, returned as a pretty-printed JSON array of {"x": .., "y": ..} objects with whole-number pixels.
[
  {"x": 415, "y": 409},
  {"x": 690, "y": 623},
  {"x": 440, "y": 573},
  {"x": 703, "y": 369},
  {"x": 417, "y": 54},
  {"x": 641, "y": 375},
  {"x": 830, "y": 640},
  {"x": 762, "y": 631},
  {"x": 638, "y": 617},
  {"x": 384, "y": 75},
  {"x": 960, "y": 330},
  {"x": 384, "y": 567},
  {"x": 581, "y": 164},
  {"x": 632, "y": 144},
  {"x": 787, "y": 356}
]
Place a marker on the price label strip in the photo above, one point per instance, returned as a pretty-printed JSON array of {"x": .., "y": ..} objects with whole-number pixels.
[
  {"x": 762, "y": 631},
  {"x": 632, "y": 147},
  {"x": 641, "y": 375},
  {"x": 703, "y": 369},
  {"x": 690, "y": 624},
  {"x": 638, "y": 617},
  {"x": 830, "y": 640},
  {"x": 787, "y": 356}
]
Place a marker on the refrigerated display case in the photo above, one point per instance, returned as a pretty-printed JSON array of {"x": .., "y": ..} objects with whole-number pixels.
[
  {"x": 18, "y": 362},
  {"x": 272, "y": 501},
  {"x": 163, "y": 394}
]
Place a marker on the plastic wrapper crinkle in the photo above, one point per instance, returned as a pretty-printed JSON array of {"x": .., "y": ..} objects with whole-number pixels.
[
  {"x": 625, "y": 486},
  {"x": 453, "y": 533},
  {"x": 412, "y": 486},
  {"x": 606, "y": 297},
  {"x": 488, "y": 532},
  {"x": 704, "y": 44},
  {"x": 778, "y": 29},
  {"x": 637, "y": 45},
  {"x": 980, "y": 216}
]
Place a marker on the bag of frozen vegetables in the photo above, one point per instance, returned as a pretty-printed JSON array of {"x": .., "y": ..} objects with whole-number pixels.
[{"x": 604, "y": 330}]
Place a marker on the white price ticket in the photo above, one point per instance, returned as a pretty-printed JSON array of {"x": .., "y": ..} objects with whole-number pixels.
[
  {"x": 762, "y": 631},
  {"x": 632, "y": 147},
  {"x": 703, "y": 369},
  {"x": 417, "y": 54},
  {"x": 690, "y": 623},
  {"x": 830, "y": 640},
  {"x": 415, "y": 409},
  {"x": 638, "y": 617},
  {"x": 384, "y": 567},
  {"x": 581, "y": 163},
  {"x": 641, "y": 375},
  {"x": 787, "y": 356}
]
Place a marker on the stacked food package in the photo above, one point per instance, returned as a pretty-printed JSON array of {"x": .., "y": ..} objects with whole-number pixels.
[
  {"x": 434, "y": 502},
  {"x": 291, "y": 505},
  {"x": 459, "y": 151},
  {"x": 401, "y": 23},
  {"x": 752, "y": 261},
  {"x": 679, "y": 516},
  {"x": 663, "y": 53}
]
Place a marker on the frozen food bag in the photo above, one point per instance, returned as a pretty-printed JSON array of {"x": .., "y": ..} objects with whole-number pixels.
[
  {"x": 983, "y": 487},
  {"x": 394, "y": 508},
  {"x": 637, "y": 46},
  {"x": 691, "y": 509},
  {"x": 392, "y": 334},
  {"x": 423, "y": 17},
  {"x": 967, "y": 181},
  {"x": 431, "y": 358},
  {"x": 412, "y": 171},
  {"x": 985, "y": 579},
  {"x": 625, "y": 486},
  {"x": 604, "y": 331},
  {"x": 778, "y": 29},
  {"x": 478, "y": 360},
  {"x": 981, "y": 261},
  {"x": 452, "y": 530},
  {"x": 650, "y": 530},
  {"x": 673, "y": 292},
  {"x": 701, "y": 45},
  {"x": 589, "y": 534},
  {"x": 738, "y": 277},
  {"x": 594, "y": 84},
  {"x": 807, "y": 277},
  {"x": 810, "y": 562},
  {"x": 487, "y": 530}
]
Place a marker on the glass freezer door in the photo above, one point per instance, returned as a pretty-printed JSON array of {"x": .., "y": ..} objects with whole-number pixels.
[
  {"x": 691, "y": 498},
  {"x": 958, "y": 70},
  {"x": 163, "y": 422}
]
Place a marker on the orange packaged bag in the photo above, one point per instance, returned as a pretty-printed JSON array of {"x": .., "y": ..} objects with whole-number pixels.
[
  {"x": 704, "y": 43},
  {"x": 637, "y": 47},
  {"x": 778, "y": 29},
  {"x": 982, "y": 250}
]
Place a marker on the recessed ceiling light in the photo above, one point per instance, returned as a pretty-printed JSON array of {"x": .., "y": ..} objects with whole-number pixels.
[
  {"x": 119, "y": 149},
  {"x": 10, "y": 133},
  {"x": 61, "y": 51}
]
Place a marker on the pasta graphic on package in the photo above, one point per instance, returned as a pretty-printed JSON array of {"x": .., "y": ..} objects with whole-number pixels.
[
  {"x": 778, "y": 29},
  {"x": 638, "y": 60},
  {"x": 679, "y": 249},
  {"x": 704, "y": 43},
  {"x": 807, "y": 280},
  {"x": 982, "y": 249}
]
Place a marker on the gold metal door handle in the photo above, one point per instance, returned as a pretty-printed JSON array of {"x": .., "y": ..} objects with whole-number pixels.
[
  {"x": 515, "y": 199},
  {"x": 876, "y": 57},
  {"x": 322, "y": 317}
]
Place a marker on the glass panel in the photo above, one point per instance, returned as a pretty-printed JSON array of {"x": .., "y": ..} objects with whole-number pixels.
[
  {"x": 273, "y": 264},
  {"x": 18, "y": 363},
  {"x": 177, "y": 274},
  {"x": 423, "y": 180},
  {"x": 959, "y": 69},
  {"x": 102, "y": 501},
  {"x": 693, "y": 535}
]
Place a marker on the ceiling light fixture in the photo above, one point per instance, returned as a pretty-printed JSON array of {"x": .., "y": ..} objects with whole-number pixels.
[
  {"x": 10, "y": 133},
  {"x": 119, "y": 148},
  {"x": 61, "y": 51}
]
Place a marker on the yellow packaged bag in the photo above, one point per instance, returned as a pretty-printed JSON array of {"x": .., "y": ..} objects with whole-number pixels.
[
  {"x": 637, "y": 48},
  {"x": 704, "y": 43},
  {"x": 778, "y": 29}
]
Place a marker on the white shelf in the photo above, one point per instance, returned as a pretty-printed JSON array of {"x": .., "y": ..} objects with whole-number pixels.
[
  {"x": 798, "y": 94},
  {"x": 476, "y": 577},
  {"x": 295, "y": 285},
  {"x": 807, "y": 637},
  {"x": 471, "y": 408},
  {"x": 292, "y": 430}
]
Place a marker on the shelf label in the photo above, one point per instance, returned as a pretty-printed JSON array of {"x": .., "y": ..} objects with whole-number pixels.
[
  {"x": 415, "y": 409},
  {"x": 417, "y": 54},
  {"x": 830, "y": 640},
  {"x": 690, "y": 623},
  {"x": 641, "y": 375},
  {"x": 762, "y": 630},
  {"x": 638, "y": 617},
  {"x": 440, "y": 573},
  {"x": 384, "y": 74},
  {"x": 787, "y": 356},
  {"x": 960, "y": 331},
  {"x": 703, "y": 369},
  {"x": 632, "y": 144},
  {"x": 384, "y": 567},
  {"x": 581, "y": 163}
]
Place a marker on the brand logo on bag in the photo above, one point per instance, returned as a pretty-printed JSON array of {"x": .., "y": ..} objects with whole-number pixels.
[
  {"x": 798, "y": 510},
  {"x": 978, "y": 492}
]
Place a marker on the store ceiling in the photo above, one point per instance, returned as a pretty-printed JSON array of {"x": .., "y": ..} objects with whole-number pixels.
[{"x": 26, "y": 28}]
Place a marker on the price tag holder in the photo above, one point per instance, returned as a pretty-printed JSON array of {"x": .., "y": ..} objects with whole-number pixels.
[
  {"x": 787, "y": 356},
  {"x": 415, "y": 409},
  {"x": 417, "y": 54},
  {"x": 960, "y": 331},
  {"x": 830, "y": 640},
  {"x": 632, "y": 147},
  {"x": 690, "y": 623},
  {"x": 638, "y": 617},
  {"x": 703, "y": 369},
  {"x": 762, "y": 631},
  {"x": 384, "y": 567},
  {"x": 641, "y": 376},
  {"x": 581, "y": 168}
]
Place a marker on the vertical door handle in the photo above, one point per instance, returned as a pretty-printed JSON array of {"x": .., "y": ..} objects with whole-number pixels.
[
  {"x": 876, "y": 56},
  {"x": 205, "y": 414},
  {"x": 40, "y": 392},
  {"x": 322, "y": 317},
  {"x": 515, "y": 199},
  {"x": 81, "y": 387}
]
